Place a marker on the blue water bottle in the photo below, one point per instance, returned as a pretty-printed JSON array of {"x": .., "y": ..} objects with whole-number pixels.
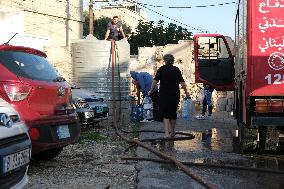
[
  {"x": 139, "y": 112},
  {"x": 186, "y": 108}
]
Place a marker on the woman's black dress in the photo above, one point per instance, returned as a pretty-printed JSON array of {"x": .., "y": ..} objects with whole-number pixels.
[{"x": 169, "y": 94}]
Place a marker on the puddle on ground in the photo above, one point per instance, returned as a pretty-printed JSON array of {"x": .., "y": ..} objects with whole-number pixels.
[
  {"x": 217, "y": 147},
  {"x": 213, "y": 139},
  {"x": 222, "y": 145}
]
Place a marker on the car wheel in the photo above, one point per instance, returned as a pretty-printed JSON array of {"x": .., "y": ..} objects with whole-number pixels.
[{"x": 48, "y": 154}]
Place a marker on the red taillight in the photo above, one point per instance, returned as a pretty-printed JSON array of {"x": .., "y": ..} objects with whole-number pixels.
[
  {"x": 276, "y": 105},
  {"x": 17, "y": 91},
  {"x": 261, "y": 106},
  {"x": 265, "y": 106},
  {"x": 34, "y": 133}
]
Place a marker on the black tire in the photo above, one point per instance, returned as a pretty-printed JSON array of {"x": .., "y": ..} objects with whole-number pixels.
[
  {"x": 247, "y": 139},
  {"x": 48, "y": 154},
  {"x": 268, "y": 139}
]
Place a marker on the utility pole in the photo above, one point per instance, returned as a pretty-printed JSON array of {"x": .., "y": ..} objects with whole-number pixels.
[
  {"x": 67, "y": 22},
  {"x": 91, "y": 16}
]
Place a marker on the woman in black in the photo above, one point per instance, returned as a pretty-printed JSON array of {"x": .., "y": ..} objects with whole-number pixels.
[{"x": 170, "y": 78}]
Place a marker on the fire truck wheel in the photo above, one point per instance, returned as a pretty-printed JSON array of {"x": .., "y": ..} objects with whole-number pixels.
[
  {"x": 268, "y": 139},
  {"x": 247, "y": 139}
]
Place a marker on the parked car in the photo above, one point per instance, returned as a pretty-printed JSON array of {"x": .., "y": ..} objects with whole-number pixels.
[
  {"x": 42, "y": 98},
  {"x": 95, "y": 103},
  {"x": 15, "y": 148},
  {"x": 85, "y": 113}
]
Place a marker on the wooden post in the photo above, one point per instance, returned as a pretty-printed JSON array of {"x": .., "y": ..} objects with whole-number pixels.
[{"x": 91, "y": 16}]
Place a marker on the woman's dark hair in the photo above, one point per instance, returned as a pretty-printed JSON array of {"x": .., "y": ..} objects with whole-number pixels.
[{"x": 169, "y": 59}]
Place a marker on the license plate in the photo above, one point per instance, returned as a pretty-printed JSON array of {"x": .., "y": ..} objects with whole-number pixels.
[
  {"x": 13, "y": 161},
  {"x": 63, "y": 131},
  {"x": 99, "y": 109}
]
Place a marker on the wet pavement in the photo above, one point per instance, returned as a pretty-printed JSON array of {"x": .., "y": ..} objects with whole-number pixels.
[{"x": 214, "y": 144}]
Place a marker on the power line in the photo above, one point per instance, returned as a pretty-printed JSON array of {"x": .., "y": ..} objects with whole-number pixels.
[
  {"x": 58, "y": 18},
  {"x": 45, "y": 14},
  {"x": 50, "y": 15},
  {"x": 179, "y": 7},
  {"x": 65, "y": 1},
  {"x": 125, "y": 7},
  {"x": 75, "y": 9},
  {"x": 188, "y": 7},
  {"x": 142, "y": 5},
  {"x": 191, "y": 27}
]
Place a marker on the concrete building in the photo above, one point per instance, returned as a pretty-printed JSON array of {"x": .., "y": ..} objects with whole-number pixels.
[{"x": 49, "y": 26}]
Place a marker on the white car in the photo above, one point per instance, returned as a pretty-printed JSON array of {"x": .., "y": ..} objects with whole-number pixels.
[{"x": 15, "y": 148}]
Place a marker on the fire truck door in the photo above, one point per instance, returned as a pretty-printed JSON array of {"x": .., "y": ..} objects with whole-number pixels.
[{"x": 214, "y": 62}]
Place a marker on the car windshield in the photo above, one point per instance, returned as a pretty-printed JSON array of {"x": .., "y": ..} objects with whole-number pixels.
[{"x": 28, "y": 66}]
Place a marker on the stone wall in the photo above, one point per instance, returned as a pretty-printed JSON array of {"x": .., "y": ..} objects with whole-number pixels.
[{"x": 149, "y": 59}]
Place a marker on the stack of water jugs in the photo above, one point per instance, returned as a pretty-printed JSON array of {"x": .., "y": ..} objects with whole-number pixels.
[{"x": 143, "y": 112}]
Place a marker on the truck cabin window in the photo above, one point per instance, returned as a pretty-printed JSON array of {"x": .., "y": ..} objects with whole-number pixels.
[{"x": 212, "y": 48}]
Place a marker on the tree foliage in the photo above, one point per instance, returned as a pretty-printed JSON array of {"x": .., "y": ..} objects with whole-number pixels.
[{"x": 149, "y": 34}]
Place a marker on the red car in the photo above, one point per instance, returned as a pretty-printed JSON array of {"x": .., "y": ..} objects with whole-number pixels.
[{"x": 42, "y": 98}]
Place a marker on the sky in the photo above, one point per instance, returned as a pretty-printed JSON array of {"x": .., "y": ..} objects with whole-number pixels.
[
  {"x": 214, "y": 19},
  {"x": 218, "y": 19}
]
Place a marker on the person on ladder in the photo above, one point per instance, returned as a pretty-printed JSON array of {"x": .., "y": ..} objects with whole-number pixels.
[{"x": 114, "y": 29}]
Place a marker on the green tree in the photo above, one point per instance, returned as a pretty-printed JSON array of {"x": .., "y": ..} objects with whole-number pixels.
[
  {"x": 100, "y": 27},
  {"x": 86, "y": 23},
  {"x": 142, "y": 37},
  {"x": 182, "y": 34},
  {"x": 148, "y": 34},
  {"x": 171, "y": 33},
  {"x": 158, "y": 34}
]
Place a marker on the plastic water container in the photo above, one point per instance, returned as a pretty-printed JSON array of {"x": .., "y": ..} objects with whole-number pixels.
[
  {"x": 137, "y": 113},
  {"x": 186, "y": 108},
  {"x": 147, "y": 108}
]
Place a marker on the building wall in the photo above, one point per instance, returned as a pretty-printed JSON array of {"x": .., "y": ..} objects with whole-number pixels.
[{"x": 55, "y": 23}]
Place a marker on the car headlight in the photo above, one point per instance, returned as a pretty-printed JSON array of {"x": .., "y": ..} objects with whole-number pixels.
[{"x": 15, "y": 118}]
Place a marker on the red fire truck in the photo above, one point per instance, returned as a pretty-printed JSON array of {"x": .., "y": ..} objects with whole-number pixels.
[{"x": 252, "y": 67}]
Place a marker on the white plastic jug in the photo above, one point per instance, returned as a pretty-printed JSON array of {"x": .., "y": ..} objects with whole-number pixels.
[{"x": 148, "y": 108}]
